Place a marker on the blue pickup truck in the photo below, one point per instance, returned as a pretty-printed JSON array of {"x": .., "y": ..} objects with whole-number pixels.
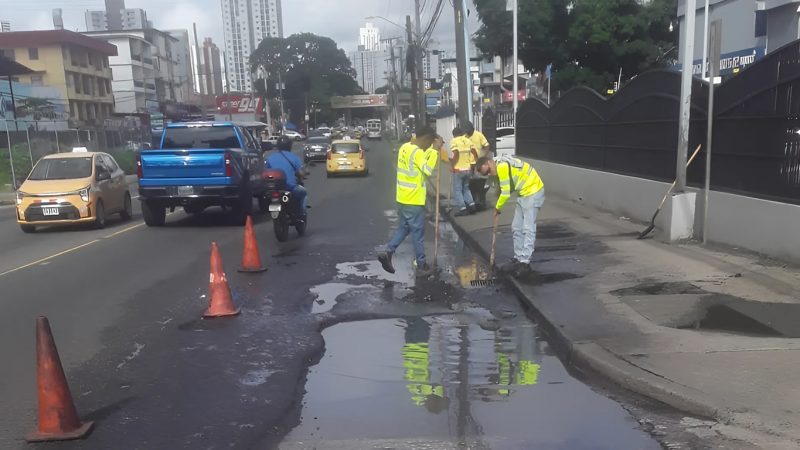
[{"x": 198, "y": 165}]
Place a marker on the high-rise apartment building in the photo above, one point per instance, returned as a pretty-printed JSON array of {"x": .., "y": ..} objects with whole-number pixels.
[
  {"x": 184, "y": 77},
  {"x": 209, "y": 69},
  {"x": 369, "y": 37},
  {"x": 432, "y": 65},
  {"x": 246, "y": 23},
  {"x": 116, "y": 17},
  {"x": 370, "y": 67}
]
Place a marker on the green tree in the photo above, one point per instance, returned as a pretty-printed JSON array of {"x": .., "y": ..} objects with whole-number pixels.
[{"x": 312, "y": 69}]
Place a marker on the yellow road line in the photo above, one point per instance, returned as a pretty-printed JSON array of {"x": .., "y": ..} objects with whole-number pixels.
[
  {"x": 49, "y": 257},
  {"x": 124, "y": 230}
]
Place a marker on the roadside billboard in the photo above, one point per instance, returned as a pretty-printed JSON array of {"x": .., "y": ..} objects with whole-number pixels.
[
  {"x": 239, "y": 104},
  {"x": 359, "y": 101}
]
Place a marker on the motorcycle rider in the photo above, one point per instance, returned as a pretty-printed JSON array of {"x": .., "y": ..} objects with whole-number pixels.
[{"x": 291, "y": 165}]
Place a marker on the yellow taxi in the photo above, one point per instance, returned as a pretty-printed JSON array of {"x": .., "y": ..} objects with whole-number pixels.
[
  {"x": 346, "y": 157},
  {"x": 73, "y": 188}
]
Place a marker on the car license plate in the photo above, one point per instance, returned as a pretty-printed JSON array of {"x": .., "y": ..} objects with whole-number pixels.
[
  {"x": 50, "y": 210},
  {"x": 274, "y": 207},
  {"x": 185, "y": 190},
  {"x": 344, "y": 163}
]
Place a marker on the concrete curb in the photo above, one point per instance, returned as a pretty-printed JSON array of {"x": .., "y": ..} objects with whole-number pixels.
[{"x": 592, "y": 357}]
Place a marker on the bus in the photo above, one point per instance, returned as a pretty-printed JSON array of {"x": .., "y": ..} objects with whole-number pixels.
[{"x": 373, "y": 129}]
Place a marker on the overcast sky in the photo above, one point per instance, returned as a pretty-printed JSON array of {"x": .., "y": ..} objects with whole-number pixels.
[{"x": 337, "y": 19}]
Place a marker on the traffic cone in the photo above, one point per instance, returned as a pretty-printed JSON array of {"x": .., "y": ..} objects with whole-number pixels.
[
  {"x": 220, "y": 303},
  {"x": 251, "y": 258},
  {"x": 58, "y": 418}
]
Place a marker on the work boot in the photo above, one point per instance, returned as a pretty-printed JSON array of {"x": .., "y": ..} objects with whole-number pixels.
[
  {"x": 385, "y": 259},
  {"x": 463, "y": 212},
  {"x": 509, "y": 267},
  {"x": 472, "y": 209},
  {"x": 423, "y": 270},
  {"x": 522, "y": 269}
]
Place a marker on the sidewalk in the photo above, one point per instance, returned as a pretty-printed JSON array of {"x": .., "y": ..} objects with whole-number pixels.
[{"x": 700, "y": 329}]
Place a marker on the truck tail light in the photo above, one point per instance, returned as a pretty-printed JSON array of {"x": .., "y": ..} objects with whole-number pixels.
[
  {"x": 139, "y": 165},
  {"x": 228, "y": 166}
]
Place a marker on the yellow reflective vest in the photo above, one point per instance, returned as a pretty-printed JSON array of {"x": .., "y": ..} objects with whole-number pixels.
[
  {"x": 414, "y": 166},
  {"x": 518, "y": 176}
]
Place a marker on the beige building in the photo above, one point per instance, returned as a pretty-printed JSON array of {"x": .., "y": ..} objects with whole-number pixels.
[{"x": 75, "y": 64}]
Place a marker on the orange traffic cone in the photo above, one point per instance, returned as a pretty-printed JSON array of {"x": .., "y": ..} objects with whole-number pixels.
[
  {"x": 251, "y": 258},
  {"x": 220, "y": 303},
  {"x": 58, "y": 418}
]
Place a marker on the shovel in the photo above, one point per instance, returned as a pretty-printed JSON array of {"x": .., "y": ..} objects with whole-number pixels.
[{"x": 488, "y": 282}]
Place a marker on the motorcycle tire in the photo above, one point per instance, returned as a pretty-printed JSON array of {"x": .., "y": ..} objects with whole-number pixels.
[{"x": 281, "y": 228}]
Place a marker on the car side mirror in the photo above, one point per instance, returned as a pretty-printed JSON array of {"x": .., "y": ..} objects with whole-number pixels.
[{"x": 103, "y": 176}]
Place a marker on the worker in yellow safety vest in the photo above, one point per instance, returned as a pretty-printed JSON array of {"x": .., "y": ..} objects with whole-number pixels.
[
  {"x": 517, "y": 176},
  {"x": 477, "y": 184},
  {"x": 415, "y": 163},
  {"x": 463, "y": 157}
]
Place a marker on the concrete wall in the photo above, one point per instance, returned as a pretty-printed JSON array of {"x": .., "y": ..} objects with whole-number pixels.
[
  {"x": 738, "y": 27},
  {"x": 759, "y": 225},
  {"x": 782, "y": 26}
]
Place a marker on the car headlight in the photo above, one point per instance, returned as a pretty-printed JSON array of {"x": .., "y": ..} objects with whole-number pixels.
[
  {"x": 84, "y": 193},
  {"x": 20, "y": 196}
]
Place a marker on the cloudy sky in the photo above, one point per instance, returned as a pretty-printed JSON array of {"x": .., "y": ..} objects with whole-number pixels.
[{"x": 337, "y": 19}]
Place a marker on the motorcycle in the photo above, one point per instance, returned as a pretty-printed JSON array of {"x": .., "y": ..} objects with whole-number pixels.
[{"x": 280, "y": 203}]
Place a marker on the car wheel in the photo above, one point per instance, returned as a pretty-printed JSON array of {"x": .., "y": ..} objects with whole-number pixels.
[
  {"x": 27, "y": 228},
  {"x": 154, "y": 214},
  {"x": 100, "y": 215},
  {"x": 127, "y": 209}
]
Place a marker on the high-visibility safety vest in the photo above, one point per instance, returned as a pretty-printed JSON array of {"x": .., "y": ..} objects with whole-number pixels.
[
  {"x": 518, "y": 176},
  {"x": 464, "y": 147},
  {"x": 418, "y": 374},
  {"x": 414, "y": 166}
]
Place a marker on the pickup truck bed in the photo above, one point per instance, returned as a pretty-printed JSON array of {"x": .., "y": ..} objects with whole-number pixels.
[{"x": 198, "y": 166}]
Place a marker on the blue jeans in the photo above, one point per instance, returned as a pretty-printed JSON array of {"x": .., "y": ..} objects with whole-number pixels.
[
  {"x": 300, "y": 196},
  {"x": 412, "y": 221},
  {"x": 462, "y": 196},
  {"x": 524, "y": 226}
]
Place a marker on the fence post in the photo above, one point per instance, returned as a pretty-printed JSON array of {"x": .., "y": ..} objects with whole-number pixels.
[
  {"x": 10, "y": 158},
  {"x": 489, "y": 125},
  {"x": 30, "y": 152}
]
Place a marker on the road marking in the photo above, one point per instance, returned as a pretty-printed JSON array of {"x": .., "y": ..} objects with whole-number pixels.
[
  {"x": 49, "y": 257},
  {"x": 124, "y": 230}
]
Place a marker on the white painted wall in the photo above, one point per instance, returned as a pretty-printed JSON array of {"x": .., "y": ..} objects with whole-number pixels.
[{"x": 759, "y": 225}]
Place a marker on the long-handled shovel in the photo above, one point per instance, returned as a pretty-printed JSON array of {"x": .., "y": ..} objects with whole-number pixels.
[
  {"x": 652, "y": 225},
  {"x": 436, "y": 220}
]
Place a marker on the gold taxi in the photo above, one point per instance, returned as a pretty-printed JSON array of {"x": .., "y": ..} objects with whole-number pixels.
[
  {"x": 346, "y": 157},
  {"x": 73, "y": 188}
]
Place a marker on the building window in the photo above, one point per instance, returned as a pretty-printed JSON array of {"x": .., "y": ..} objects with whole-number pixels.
[
  {"x": 8, "y": 53},
  {"x": 33, "y": 54},
  {"x": 37, "y": 80}
]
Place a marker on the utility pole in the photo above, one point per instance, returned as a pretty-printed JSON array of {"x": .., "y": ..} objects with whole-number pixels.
[
  {"x": 686, "y": 96},
  {"x": 462, "y": 63},
  {"x": 515, "y": 60},
  {"x": 413, "y": 70},
  {"x": 423, "y": 105},
  {"x": 227, "y": 88}
]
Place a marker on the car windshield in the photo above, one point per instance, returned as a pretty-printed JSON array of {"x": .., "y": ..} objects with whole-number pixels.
[
  {"x": 318, "y": 140},
  {"x": 346, "y": 148},
  {"x": 62, "y": 169},
  {"x": 200, "y": 137}
]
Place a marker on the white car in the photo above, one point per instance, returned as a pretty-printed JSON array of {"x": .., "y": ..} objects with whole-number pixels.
[
  {"x": 325, "y": 131},
  {"x": 292, "y": 134},
  {"x": 506, "y": 141}
]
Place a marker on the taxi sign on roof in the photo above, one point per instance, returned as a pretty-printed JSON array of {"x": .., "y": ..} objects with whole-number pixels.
[{"x": 80, "y": 150}]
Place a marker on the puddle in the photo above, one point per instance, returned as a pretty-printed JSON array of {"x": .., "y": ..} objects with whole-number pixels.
[
  {"x": 326, "y": 295},
  {"x": 658, "y": 288},
  {"x": 446, "y": 382}
]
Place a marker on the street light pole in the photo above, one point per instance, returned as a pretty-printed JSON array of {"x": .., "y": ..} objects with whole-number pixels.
[
  {"x": 515, "y": 59},
  {"x": 686, "y": 95},
  {"x": 423, "y": 105}
]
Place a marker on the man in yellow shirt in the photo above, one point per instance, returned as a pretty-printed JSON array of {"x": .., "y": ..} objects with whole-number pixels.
[
  {"x": 415, "y": 163},
  {"x": 516, "y": 175},
  {"x": 478, "y": 184},
  {"x": 462, "y": 157}
]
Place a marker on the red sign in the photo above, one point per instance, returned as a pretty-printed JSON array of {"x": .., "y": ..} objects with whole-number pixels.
[
  {"x": 508, "y": 96},
  {"x": 236, "y": 103}
]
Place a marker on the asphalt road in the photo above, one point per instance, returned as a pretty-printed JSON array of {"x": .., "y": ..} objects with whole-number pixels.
[{"x": 125, "y": 304}]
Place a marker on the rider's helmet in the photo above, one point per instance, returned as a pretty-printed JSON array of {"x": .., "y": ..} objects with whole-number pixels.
[{"x": 284, "y": 143}]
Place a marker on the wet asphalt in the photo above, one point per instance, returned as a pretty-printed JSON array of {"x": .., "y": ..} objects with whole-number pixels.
[{"x": 329, "y": 351}]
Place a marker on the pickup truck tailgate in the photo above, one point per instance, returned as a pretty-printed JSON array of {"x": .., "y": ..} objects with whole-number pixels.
[{"x": 186, "y": 164}]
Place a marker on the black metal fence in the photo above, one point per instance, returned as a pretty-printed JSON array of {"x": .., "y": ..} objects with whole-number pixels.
[{"x": 756, "y": 149}]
